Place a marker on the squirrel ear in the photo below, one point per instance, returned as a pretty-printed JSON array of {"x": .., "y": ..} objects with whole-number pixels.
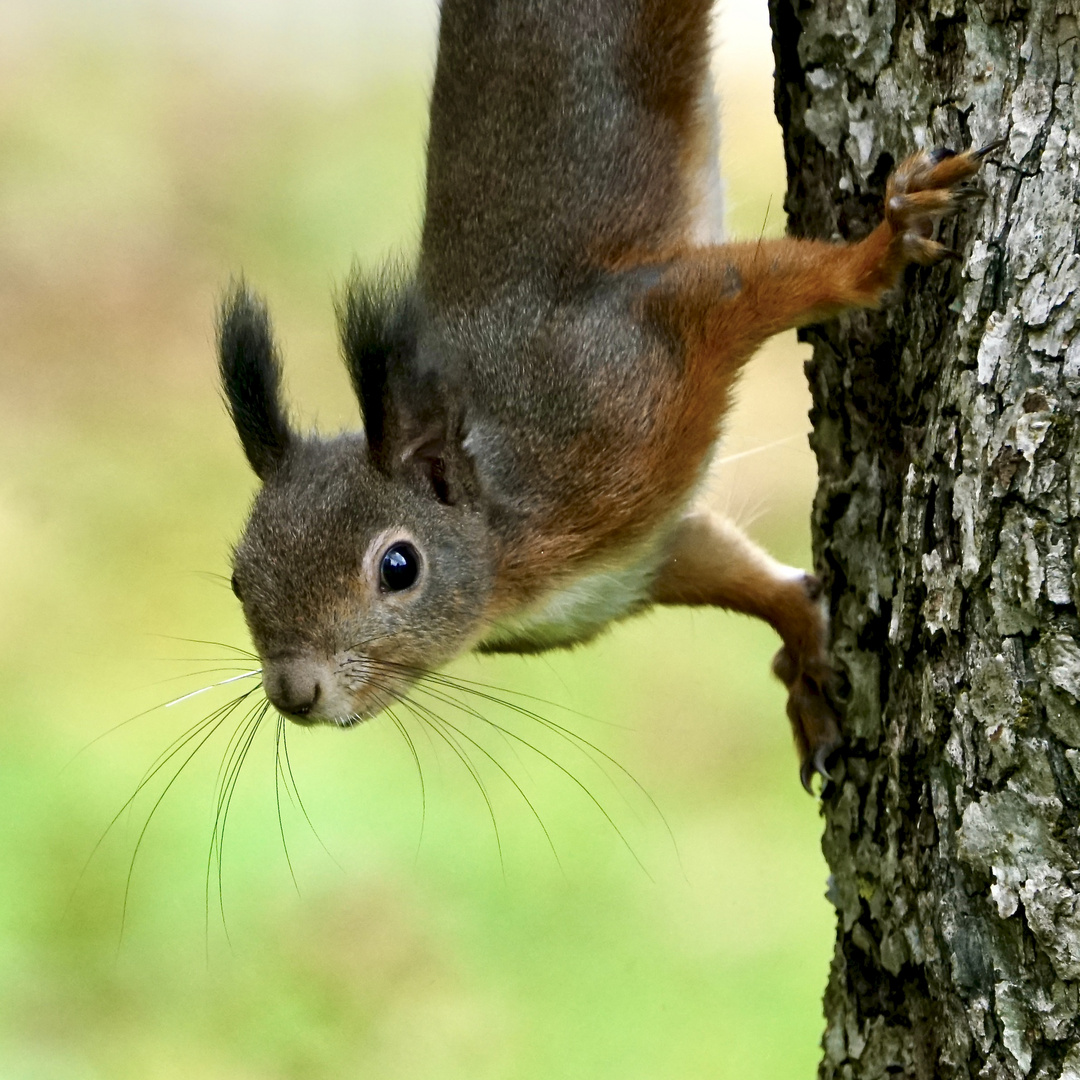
[
  {"x": 251, "y": 379},
  {"x": 412, "y": 423}
]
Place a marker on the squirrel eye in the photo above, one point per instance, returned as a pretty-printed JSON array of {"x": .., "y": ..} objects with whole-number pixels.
[
  {"x": 400, "y": 567},
  {"x": 236, "y": 587}
]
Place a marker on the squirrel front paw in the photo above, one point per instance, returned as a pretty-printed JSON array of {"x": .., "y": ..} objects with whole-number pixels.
[{"x": 924, "y": 188}]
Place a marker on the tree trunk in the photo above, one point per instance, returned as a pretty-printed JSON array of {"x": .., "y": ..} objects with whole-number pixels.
[{"x": 947, "y": 525}]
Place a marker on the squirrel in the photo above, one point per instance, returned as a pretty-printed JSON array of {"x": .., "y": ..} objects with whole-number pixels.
[{"x": 542, "y": 392}]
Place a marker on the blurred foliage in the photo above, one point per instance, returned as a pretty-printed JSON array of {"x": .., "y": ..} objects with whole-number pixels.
[{"x": 680, "y": 934}]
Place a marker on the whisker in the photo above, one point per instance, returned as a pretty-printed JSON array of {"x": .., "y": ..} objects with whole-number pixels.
[
  {"x": 212, "y": 686},
  {"x": 463, "y": 683},
  {"x": 138, "y": 716},
  {"x": 419, "y": 685},
  {"x": 247, "y": 730},
  {"x": 216, "y": 579},
  {"x": 436, "y": 725},
  {"x": 579, "y": 742},
  {"x": 499, "y": 765},
  {"x": 729, "y": 459},
  {"x": 300, "y": 801},
  {"x": 233, "y": 662},
  {"x": 279, "y": 733},
  {"x": 216, "y": 644},
  {"x": 214, "y": 725},
  {"x": 570, "y": 775},
  {"x": 584, "y": 745},
  {"x": 182, "y": 738},
  {"x": 419, "y": 774},
  {"x": 215, "y": 718}
]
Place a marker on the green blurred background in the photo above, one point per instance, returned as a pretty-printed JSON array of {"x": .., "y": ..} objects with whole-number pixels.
[{"x": 148, "y": 150}]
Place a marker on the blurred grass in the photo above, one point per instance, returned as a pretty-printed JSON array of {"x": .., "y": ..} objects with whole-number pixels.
[{"x": 135, "y": 178}]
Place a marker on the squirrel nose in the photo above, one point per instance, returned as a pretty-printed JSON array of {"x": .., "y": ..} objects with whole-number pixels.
[{"x": 293, "y": 686}]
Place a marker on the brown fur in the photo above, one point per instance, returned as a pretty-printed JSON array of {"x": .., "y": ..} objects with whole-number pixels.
[{"x": 542, "y": 395}]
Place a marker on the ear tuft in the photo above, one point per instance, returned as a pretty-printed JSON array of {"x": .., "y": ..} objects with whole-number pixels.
[
  {"x": 412, "y": 418},
  {"x": 378, "y": 340},
  {"x": 251, "y": 379}
]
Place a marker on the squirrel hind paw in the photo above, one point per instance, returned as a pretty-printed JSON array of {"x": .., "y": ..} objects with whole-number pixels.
[
  {"x": 924, "y": 188},
  {"x": 814, "y": 723}
]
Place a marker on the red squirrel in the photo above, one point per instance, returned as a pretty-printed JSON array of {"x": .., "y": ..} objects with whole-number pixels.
[{"x": 543, "y": 390}]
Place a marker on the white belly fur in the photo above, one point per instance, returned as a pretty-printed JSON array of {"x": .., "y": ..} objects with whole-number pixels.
[{"x": 582, "y": 609}]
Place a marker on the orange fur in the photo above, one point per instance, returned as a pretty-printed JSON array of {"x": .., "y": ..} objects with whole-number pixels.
[{"x": 716, "y": 304}]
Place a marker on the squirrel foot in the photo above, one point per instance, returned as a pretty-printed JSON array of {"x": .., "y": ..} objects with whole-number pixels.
[
  {"x": 924, "y": 188},
  {"x": 806, "y": 673}
]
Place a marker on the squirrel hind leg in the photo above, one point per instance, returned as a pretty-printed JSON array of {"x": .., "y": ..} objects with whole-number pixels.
[{"x": 711, "y": 562}]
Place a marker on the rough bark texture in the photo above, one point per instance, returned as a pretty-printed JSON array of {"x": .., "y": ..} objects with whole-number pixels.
[{"x": 947, "y": 526}]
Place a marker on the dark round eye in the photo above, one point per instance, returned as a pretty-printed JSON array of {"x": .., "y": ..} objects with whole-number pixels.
[
  {"x": 236, "y": 588},
  {"x": 400, "y": 567}
]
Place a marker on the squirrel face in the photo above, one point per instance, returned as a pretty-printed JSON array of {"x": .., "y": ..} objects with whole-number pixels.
[{"x": 356, "y": 574}]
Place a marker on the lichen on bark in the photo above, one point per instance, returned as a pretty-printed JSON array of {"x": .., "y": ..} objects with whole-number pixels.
[{"x": 947, "y": 528}]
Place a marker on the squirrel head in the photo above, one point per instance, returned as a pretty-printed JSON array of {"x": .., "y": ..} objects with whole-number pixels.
[{"x": 366, "y": 560}]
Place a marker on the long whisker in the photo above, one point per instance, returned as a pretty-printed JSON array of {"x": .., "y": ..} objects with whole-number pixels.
[
  {"x": 216, "y": 579},
  {"x": 213, "y": 725},
  {"x": 202, "y": 671},
  {"x": 729, "y": 459},
  {"x": 214, "y": 720},
  {"x": 182, "y": 738},
  {"x": 436, "y": 725},
  {"x": 278, "y": 735},
  {"x": 498, "y": 765},
  {"x": 460, "y": 681},
  {"x": 576, "y": 780},
  {"x": 216, "y": 644},
  {"x": 238, "y": 754},
  {"x": 299, "y": 800},
  {"x": 419, "y": 775},
  {"x": 579, "y": 742},
  {"x": 147, "y": 712},
  {"x": 212, "y": 686},
  {"x": 584, "y": 745},
  {"x": 511, "y": 747},
  {"x": 229, "y": 758}
]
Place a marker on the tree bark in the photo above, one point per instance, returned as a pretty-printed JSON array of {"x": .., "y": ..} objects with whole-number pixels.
[{"x": 947, "y": 528}]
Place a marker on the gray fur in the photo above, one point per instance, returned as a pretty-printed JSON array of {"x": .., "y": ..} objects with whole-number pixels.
[{"x": 481, "y": 375}]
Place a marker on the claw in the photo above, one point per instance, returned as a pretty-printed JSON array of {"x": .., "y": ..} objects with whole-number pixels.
[
  {"x": 940, "y": 153},
  {"x": 817, "y": 764},
  {"x": 820, "y": 758},
  {"x": 989, "y": 148}
]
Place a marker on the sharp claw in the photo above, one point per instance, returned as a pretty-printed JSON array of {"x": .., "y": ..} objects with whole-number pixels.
[
  {"x": 989, "y": 148},
  {"x": 820, "y": 759},
  {"x": 816, "y": 764}
]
